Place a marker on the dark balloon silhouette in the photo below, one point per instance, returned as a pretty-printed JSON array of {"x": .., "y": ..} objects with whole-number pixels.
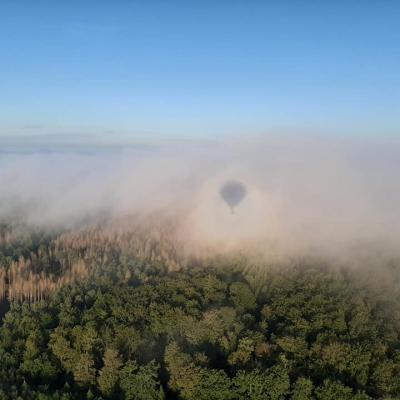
[{"x": 233, "y": 193}]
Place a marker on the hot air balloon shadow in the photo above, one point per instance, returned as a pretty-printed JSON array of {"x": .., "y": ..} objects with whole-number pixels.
[{"x": 233, "y": 192}]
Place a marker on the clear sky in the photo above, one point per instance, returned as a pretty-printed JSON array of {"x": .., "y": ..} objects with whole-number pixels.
[{"x": 192, "y": 68}]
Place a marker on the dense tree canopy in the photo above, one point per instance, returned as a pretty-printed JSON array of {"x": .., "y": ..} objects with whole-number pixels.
[{"x": 117, "y": 316}]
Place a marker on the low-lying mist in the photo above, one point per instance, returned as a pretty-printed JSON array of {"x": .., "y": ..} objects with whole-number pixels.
[{"x": 305, "y": 196}]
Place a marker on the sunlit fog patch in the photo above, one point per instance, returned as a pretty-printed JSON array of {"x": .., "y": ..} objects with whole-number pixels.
[{"x": 211, "y": 222}]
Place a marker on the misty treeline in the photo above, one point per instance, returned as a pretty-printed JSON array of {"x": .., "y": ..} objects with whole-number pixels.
[
  {"x": 34, "y": 263},
  {"x": 104, "y": 312}
]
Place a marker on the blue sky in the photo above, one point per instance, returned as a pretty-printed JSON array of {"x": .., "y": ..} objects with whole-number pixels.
[{"x": 199, "y": 68}]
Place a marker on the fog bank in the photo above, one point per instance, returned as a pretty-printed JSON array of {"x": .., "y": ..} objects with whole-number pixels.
[{"x": 305, "y": 195}]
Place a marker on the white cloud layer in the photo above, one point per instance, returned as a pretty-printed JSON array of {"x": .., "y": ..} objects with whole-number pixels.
[{"x": 305, "y": 195}]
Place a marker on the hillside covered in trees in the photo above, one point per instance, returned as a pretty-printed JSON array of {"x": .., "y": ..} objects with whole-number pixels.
[{"x": 105, "y": 313}]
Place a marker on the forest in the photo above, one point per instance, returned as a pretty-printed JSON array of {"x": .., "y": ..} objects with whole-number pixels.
[{"x": 99, "y": 312}]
